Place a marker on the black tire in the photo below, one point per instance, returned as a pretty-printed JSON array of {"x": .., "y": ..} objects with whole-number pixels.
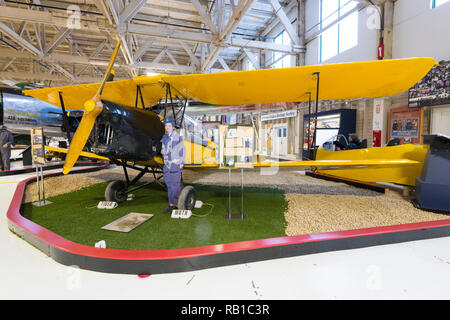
[
  {"x": 187, "y": 198},
  {"x": 116, "y": 191}
]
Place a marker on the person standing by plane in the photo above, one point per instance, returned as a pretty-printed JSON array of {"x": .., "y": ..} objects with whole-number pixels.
[
  {"x": 6, "y": 140},
  {"x": 173, "y": 152}
]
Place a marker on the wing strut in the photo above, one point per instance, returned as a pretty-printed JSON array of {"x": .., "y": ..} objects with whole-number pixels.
[
  {"x": 315, "y": 116},
  {"x": 65, "y": 118},
  {"x": 308, "y": 155},
  {"x": 177, "y": 108},
  {"x": 140, "y": 97}
]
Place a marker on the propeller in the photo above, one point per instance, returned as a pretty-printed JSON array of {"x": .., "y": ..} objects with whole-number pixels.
[{"x": 92, "y": 108}]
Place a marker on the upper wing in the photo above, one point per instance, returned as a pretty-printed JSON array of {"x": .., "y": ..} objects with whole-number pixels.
[
  {"x": 122, "y": 92},
  {"x": 337, "y": 81}
]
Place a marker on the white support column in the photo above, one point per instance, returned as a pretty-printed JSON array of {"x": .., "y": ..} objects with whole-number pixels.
[
  {"x": 301, "y": 31},
  {"x": 285, "y": 21}
]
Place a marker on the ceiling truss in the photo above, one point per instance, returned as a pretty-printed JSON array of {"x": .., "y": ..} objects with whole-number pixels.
[{"x": 58, "y": 43}]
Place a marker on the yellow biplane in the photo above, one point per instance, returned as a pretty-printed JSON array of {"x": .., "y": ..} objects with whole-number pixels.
[{"x": 124, "y": 122}]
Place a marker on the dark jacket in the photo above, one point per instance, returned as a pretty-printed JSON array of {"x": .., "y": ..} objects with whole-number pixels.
[{"x": 6, "y": 137}]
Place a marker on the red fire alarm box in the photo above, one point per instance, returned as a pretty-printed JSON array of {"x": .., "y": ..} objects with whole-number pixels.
[
  {"x": 381, "y": 51},
  {"x": 377, "y": 139}
]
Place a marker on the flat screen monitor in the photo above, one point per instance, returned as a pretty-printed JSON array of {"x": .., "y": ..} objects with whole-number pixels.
[{"x": 323, "y": 135}]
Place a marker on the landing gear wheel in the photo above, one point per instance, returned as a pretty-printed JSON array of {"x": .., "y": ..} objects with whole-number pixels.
[
  {"x": 116, "y": 191},
  {"x": 187, "y": 198}
]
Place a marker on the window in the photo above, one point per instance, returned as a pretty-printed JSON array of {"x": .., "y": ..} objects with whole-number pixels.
[
  {"x": 437, "y": 3},
  {"x": 279, "y": 59},
  {"x": 340, "y": 36}
]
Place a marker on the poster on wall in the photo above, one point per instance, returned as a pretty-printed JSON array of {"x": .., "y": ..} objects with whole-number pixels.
[
  {"x": 432, "y": 90},
  {"x": 236, "y": 146},
  {"x": 406, "y": 125}
]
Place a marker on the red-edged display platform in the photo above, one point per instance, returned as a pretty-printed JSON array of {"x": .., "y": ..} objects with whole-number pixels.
[
  {"x": 189, "y": 259},
  {"x": 29, "y": 169}
]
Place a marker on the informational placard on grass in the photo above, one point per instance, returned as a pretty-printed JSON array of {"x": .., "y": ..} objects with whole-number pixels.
[
  {"x": 38, "y": 146},
  {"x": 128, "y": 223},
  {"x": 236, "y": 146}
]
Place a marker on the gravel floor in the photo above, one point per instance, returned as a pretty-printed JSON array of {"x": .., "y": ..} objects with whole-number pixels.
[
  {"x": 315, "y": 205},
  {"x": 288, "y": 181},
  {"x": 326, "y": 213}
]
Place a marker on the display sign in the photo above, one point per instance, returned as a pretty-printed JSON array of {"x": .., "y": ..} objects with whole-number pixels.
[
  {"x": 280, "y": 115},
  {"x": 406, "y": 124},
  {"x": 432, "y": 90},
  {"x": 236, "y": 146},
  {"x": 38, "y": 146},
  {"x": 378, "y": 112},
  {"x": 378, "y": 116}
]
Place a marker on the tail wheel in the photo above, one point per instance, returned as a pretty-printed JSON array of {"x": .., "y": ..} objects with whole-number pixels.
[
  {"x": 187, "y": 198},
  {"x": 116, "y": 191}
]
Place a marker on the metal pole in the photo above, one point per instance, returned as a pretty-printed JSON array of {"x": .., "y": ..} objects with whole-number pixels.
[
  {"x": 242, "y": 193},
  {"x": 317, "y": 112},
  {"x": 229, "y": 193},
  {"x": 38, "y": 184},
  {"x": 309, "y": 127},
  {"x": 165, "y": 107},
  {"x": 43, "y": 184}
]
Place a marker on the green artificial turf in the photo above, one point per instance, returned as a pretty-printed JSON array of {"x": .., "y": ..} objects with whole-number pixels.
[{"x": 75, "y": 217}]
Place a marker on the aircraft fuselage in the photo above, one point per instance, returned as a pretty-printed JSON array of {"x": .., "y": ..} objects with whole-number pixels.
[
  {"x": 127, "y": 133},
  {"x": 21, "y": 113}
]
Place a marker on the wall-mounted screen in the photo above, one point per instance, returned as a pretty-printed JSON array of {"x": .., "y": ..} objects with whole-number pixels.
[
  {"x": 327, "y": 127},
  {"x": 325, "y": 135}
]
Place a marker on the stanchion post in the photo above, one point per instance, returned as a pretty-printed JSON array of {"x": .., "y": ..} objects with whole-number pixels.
[
  {"x": 242, "y": 194},
  {"x": 43, "y": 185},
  {"x": 38, "y": 184}
]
